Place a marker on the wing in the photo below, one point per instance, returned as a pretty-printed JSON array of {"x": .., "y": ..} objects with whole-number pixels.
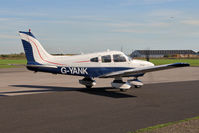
[{"x": 126, "y": 73}]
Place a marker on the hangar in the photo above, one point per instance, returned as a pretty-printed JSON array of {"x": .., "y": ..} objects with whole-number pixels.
[{"x": 163, "y": 53}]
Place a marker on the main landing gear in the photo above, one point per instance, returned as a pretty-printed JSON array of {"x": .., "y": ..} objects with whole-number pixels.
[
  {"x": 136, "y": 82},
  {"x": 117, "y": 83},
  {"x": 124, "y": 86},
  {"x": 120, "y": 84},
  {"x": 88, "y": 82}
]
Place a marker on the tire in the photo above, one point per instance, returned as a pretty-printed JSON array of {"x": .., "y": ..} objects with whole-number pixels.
[
  {"x": 123, "y": 90},
  {"x": 88, "y": 86},
  {"x": 138, "y": 86}
]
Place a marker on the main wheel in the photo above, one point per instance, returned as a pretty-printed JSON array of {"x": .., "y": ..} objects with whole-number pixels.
[
  {"x": 138, "y": 86},
  {"x": 88, "y": 86},
  {"x": 123, "y": 90}
]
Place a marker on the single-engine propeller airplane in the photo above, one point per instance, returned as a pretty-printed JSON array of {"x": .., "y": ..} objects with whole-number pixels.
[{"x": 109, "y": 64}]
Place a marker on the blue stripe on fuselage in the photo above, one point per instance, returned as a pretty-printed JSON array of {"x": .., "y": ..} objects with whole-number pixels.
[
  {"x": 81, "y": 71},
  {"x": 90, "y": 71}
]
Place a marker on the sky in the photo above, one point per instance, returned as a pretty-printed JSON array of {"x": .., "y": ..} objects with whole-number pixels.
[{"x": 84, "y": 26}]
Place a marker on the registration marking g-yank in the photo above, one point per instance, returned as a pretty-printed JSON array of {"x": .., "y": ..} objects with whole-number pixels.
[{"x": 74, "y": 70}]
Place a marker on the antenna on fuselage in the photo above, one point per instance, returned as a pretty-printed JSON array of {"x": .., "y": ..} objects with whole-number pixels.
[{"x": 121, "y": 49}]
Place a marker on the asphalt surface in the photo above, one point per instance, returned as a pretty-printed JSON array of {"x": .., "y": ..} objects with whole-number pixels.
[
  {"x": 11, "y": 78},
  {"x": 54, "y": 108}
]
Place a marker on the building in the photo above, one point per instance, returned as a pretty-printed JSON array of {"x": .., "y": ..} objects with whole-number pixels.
[{"x": 163, "y": 53}]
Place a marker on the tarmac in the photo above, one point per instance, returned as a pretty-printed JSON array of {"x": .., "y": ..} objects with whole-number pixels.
[{"x": 49, "y": 103}]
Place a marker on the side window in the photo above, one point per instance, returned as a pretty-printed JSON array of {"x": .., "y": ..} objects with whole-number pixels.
[
  {"x": 94, "y": 59},
  {"x": 106, "y": 58},
  {"x": 119, "y": 58}
]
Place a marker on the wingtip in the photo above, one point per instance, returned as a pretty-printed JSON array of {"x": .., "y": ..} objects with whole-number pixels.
[
  {"x": 187, "y": 64},
  {"x": 181, "y": 64}
]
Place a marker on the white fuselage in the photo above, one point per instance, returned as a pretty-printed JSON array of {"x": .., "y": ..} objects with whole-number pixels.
[{"x": 84, "y": 60}]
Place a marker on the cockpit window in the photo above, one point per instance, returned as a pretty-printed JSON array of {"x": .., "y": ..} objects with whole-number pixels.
[
  {"x": 106, "y": 58},
  {"x": 119, "y": 58},
  {"x": 94, "y": 59}
]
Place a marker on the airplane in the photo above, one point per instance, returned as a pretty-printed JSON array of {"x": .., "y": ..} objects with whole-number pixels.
[{"x": 108, "y": 64}]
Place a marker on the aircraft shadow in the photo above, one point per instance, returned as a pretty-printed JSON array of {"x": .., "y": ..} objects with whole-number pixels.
[
  {"x": 101, "y": 91},
  {"x": 3, "y": 96},
  {"x": 108, "y": 92}
]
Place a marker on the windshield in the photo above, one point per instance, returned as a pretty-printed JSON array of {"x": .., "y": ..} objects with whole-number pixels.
[{"x": 129, "y": 58}]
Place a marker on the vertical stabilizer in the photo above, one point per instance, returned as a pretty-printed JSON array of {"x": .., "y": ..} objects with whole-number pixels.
[{"x": 34, "y": 51}]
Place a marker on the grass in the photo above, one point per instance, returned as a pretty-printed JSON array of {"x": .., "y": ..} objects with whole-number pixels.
[
  {"x": 163, "y": 125},
  {"x": 11, "y": 63},
  {"x": 192, "y": 62}
]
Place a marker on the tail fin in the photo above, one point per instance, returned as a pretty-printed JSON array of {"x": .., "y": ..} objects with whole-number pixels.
[{"x": 35, "y": 53}]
